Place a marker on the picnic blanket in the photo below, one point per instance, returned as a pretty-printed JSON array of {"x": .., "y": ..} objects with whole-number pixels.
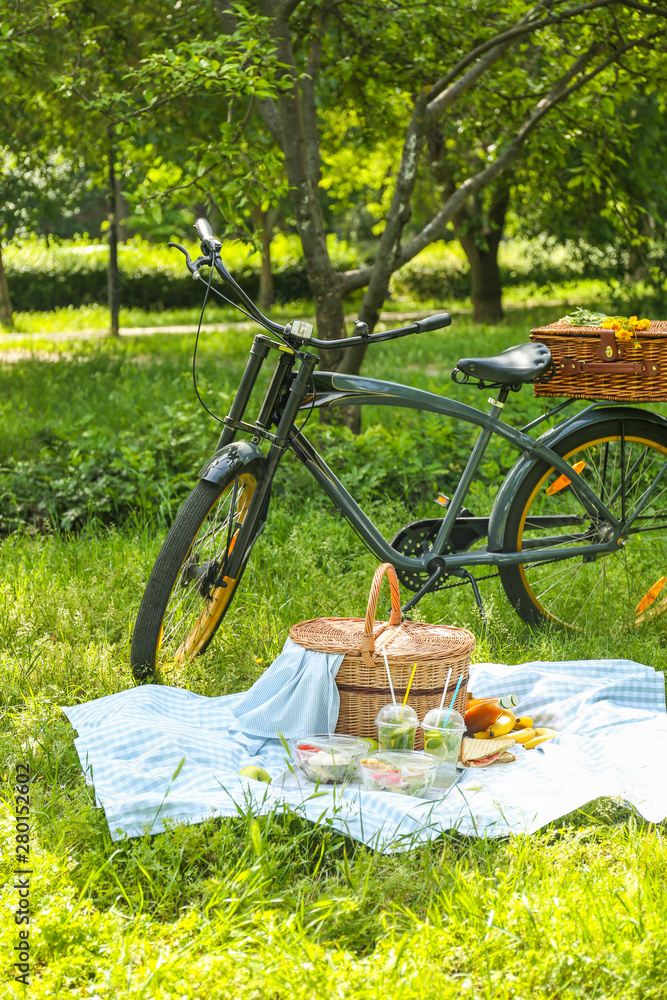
[{"x": 160, "y": 755}]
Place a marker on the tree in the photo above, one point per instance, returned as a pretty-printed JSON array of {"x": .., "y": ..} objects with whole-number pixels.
[
  {"x": 611, "y": 187},
  {"x": 325, "y": 48},
  {"x": 571, "y": 178},
  {"x": 34, "y": 186},
  {"x": 83, "y": 81}
]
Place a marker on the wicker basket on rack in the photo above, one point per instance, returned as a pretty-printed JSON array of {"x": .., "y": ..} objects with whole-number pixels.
[
  {"x": 362, "y": 680},
  {"x": 592, "y": 363}
]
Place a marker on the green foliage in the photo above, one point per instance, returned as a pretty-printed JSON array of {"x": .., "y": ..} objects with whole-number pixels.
[
  {"x": 35, "y": 189},
  {"x": 94, "y": 476},
  {"x": 440, "y": 272},
  {"x": 74, "y": 272},
  {"x": 604, "y": 183}
]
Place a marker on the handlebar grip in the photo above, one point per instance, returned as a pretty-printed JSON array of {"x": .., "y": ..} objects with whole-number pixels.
[
  {"x": 434, "y": 322},
  {"x": 204, "y": 231}
]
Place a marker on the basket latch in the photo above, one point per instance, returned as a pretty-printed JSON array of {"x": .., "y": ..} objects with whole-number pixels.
[{"x": 608, "y": 346}]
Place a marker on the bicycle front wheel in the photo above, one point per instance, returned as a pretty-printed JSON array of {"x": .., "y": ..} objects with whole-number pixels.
[
  {"x": 182, "y": 606},
  {"x": 619, "y": 459}
]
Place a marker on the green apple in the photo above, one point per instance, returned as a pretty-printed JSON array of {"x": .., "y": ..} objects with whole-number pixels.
[{"x": 258, "y": 773}]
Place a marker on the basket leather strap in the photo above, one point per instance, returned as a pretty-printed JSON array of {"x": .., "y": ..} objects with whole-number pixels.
[
  {"x": 608, "y": 346},
  {"x": 568, "y": 366},
  {"x": 395, "y": 618}
]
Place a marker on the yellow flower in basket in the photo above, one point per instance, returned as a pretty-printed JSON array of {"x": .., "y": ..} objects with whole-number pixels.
[{"x": 626, "y": 328}]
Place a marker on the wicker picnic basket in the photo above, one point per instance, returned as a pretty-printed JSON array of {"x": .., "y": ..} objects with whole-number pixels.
[
  {"x": 592, "y": 363},
  {"x": 362, "y": 677}
]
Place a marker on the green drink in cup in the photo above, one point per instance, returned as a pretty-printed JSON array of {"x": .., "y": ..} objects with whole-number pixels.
[
  {"x": 443, "y": 732},
  {"x": 397, "y": 727}
]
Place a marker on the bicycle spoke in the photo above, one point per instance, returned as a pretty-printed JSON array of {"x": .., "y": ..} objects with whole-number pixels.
[
  {"x": 187, "y": 604},
  {"x": 620, "y": 469}
]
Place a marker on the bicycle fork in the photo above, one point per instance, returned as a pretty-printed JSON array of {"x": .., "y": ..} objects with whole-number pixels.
[{"x": 253, "y": 521}]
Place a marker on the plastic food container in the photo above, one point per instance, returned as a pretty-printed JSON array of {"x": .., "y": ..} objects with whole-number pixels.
[
  {"x": 329, "y": 759},
  {"x": 405, "y": 772},
  {"x": 397, "y": 727}
]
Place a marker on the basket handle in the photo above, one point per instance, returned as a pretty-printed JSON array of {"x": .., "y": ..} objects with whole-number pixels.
[{"x": 395, "y": 618}]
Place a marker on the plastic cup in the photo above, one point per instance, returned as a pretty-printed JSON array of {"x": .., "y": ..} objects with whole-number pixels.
[
  {"x": 444, "y": 742},
  {"x": 397, "y": 727}
]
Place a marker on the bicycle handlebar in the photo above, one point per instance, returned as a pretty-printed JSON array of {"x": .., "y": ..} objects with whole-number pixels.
[
  {"x": 210, "y": 246},
  {"x": 419, "y": 326}
]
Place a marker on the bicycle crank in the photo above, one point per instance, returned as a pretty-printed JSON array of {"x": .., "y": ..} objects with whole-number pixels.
[{"x": 417, "y": 539}]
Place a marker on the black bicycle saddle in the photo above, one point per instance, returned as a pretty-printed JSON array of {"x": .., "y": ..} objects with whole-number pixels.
[{"x": 517, "y": 364}]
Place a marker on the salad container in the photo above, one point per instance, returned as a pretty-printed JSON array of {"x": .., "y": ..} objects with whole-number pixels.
[
  {"x": 405, "y": 772},
  {"x": 397, "y": 727},
  {"x": 329, "y": 759},
  {"x": 444, "y": 742}
]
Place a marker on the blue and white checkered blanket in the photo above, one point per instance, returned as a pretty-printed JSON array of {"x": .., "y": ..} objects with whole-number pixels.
[{"x": 159, "y": 753}]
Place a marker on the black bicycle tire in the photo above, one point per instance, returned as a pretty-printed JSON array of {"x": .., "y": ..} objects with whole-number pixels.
[
  {"x": 167, "y": 567},
  {"x": 513, "y": 580}
]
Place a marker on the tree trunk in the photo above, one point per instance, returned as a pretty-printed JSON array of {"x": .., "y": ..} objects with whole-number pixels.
[
  {"x": 266, "y": 275},
  {"x": 485, "y": 285},
  {"x": 479, "y": 228},
  {"x": 113, "y": 283},
  {"x": 122, "y": 212},
  {"x": 6, "y": 311},
  {"x": 263, "y": 223}
]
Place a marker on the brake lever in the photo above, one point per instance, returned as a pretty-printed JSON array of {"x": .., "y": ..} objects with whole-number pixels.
[{"x": 193, "y": 266}]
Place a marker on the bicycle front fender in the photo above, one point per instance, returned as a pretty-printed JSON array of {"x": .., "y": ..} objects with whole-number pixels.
[
  {"x": 589, "y": 418},
  {"x": 232, "y": 458}
]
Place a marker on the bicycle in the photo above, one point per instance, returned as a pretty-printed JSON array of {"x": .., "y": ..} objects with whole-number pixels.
[{"x": 584, "y": 503}]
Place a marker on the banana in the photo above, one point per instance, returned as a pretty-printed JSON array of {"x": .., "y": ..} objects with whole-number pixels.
[
  {"x": 523, "y": 722},
  {"x": 545, "y": 732},
  {"x": 536, "y": 740},
  {"x": 523, "y": 735},
  {"x": 484, "y": 735},
  {"x": 503, "y": 725}
]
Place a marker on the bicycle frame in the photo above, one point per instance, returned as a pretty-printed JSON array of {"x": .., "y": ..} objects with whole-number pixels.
[
  {"x": 338, "y": 390},
  {"x": 310, "y": 389}
]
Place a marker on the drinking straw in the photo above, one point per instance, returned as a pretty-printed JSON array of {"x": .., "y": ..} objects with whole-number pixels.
[
  {"x": 451, "y": 706},
  {"x": 407, "y": 690},
  {"x": 444, "y": 690},
  {"x": 391, "y": 686}
]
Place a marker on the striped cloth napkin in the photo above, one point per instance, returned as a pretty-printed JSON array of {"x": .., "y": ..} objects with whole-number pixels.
[{"x": 159, "y": 755}]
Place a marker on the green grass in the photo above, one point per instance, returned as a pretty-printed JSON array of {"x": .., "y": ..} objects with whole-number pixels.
[
  {"x": 275, "y": 908},
  {"x": 95, "y": 318}
]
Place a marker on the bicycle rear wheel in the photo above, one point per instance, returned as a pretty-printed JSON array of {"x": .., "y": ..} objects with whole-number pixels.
[
  {"x": 628, "y": 587},
  {"x": 182, "y": 607}
]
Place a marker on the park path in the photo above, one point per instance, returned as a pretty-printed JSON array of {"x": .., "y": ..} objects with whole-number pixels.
[{"x": 14, "y": 355}]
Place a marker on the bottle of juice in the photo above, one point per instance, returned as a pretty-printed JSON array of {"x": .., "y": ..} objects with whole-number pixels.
[{"x": 481, "y": 713}]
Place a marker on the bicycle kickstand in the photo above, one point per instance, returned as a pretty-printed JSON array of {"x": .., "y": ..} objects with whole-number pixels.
[{"x": 478, "y": 598}]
